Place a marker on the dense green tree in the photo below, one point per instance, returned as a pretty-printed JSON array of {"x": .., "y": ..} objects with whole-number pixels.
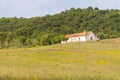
[
  {"x": 96, "y": 8},
  {"x": 25, "y": 31},
  {"x": 23, "y": 40},
  {"x": 46, "y": 40},
  {"x": 50, "y": 29},
  {"x": 2, "y": 39},
  {"x": 9, "y": 38}
]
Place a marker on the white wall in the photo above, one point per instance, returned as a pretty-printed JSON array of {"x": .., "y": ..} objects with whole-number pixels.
[
  {"x": 83, "y": 38},
  {"x": 74, "y": 39},
  {"x": 77, "y": 39},
  {"x": 91, "y": 36}
]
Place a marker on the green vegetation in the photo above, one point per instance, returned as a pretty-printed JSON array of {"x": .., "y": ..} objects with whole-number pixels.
[
  {"x": 50, "y": 29},
  {"x": 74, "y": 61}
]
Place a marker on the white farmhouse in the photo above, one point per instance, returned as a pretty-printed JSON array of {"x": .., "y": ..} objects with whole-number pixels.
[{"x": 81, "y": 37}]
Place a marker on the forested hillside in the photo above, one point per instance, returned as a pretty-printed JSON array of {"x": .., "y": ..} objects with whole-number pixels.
[{"x": 51, "y": 29}]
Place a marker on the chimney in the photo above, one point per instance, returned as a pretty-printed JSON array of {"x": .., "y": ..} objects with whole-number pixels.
[{"x": 84, "y": 32}]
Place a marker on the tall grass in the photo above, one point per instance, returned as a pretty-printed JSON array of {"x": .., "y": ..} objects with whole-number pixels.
[{"x": 74, "y": 61}]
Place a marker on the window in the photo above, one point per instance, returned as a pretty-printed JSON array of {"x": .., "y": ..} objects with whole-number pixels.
[
  {"x": 91, "y": 38},
  {"x": 71, "y": 40},
  {"x": 74, "y": 39},
  {"x": 79, "y": 39}
]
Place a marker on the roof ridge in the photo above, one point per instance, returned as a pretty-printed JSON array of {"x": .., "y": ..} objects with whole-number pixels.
[{"x": 77, "y": 34}]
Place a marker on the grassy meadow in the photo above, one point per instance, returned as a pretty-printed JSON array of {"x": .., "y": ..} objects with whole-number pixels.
[{"x": 74, "y": 61}]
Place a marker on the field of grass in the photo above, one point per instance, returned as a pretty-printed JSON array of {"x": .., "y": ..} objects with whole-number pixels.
[{"x": 74, "y": 61}]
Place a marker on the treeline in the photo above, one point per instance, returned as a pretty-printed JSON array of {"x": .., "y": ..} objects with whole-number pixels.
[{"x": 51, "y": 29}]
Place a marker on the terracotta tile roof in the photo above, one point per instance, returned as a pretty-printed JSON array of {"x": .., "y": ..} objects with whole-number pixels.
[{"x": 77, "y": 35}]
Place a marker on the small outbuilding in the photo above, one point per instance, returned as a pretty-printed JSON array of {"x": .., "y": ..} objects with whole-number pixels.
[{"x": 81, "y": 37}]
